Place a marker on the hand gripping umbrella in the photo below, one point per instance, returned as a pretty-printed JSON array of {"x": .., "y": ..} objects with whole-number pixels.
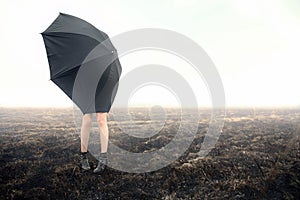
[{"x": 83, "y": 63}]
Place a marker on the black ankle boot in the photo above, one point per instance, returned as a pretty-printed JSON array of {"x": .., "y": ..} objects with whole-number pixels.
[
  {"x": 84, "y": 161},
  {"x": 101, "y": 163}
]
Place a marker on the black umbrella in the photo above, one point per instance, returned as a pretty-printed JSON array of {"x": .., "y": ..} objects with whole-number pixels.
[{"x": 83, "y": 63}]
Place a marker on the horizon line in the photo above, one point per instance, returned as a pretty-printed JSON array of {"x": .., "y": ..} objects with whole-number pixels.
[{"x": 142, "y": 106}]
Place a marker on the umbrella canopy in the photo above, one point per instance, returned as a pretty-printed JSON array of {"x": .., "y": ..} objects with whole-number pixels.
[{"x": 83, "y": 63}]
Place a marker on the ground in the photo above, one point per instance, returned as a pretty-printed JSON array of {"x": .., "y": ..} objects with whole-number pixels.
[{"x": 257, "y": 156}]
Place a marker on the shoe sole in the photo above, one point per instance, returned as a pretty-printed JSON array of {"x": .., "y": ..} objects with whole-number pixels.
[
  {"x": 85, "y": 168},
  {"x": 98, "y": 172}
]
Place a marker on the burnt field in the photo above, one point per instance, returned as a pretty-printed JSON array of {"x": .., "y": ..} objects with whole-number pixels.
[{"x": 257, "y": 156}]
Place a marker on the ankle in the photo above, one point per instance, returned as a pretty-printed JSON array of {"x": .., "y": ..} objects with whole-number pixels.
[
  {"x": 83, "y": 154},
  {"x": 103, "y": 153}
]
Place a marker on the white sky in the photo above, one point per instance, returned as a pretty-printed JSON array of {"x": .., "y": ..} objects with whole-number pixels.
[{"x": 254, "y": 44}]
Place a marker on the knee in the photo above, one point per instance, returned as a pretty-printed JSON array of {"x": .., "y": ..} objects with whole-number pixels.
[
  {"x": 101, "y": 119},
  {"x": 87, "y": 120}
]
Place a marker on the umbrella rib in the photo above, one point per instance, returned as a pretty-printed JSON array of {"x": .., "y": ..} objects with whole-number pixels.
[{"x": 62, "y": 32}]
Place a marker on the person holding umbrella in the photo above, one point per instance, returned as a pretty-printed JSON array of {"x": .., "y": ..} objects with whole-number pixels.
[{"x": 69, "y": 42}]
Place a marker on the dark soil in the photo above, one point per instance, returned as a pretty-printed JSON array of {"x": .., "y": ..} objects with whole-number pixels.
[{"x": 256, "y": 157}]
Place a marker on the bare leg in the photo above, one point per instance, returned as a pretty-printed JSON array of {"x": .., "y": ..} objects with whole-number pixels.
[
  {"x": 102, "y": 123},
  {"x": 85, "y": 131}
]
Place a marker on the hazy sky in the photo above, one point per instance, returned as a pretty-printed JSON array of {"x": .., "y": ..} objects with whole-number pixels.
[{"x": 254, "y": 44}]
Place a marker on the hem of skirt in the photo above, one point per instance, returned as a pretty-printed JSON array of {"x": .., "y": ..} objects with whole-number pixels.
[{"x": 96, "y": 111}]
